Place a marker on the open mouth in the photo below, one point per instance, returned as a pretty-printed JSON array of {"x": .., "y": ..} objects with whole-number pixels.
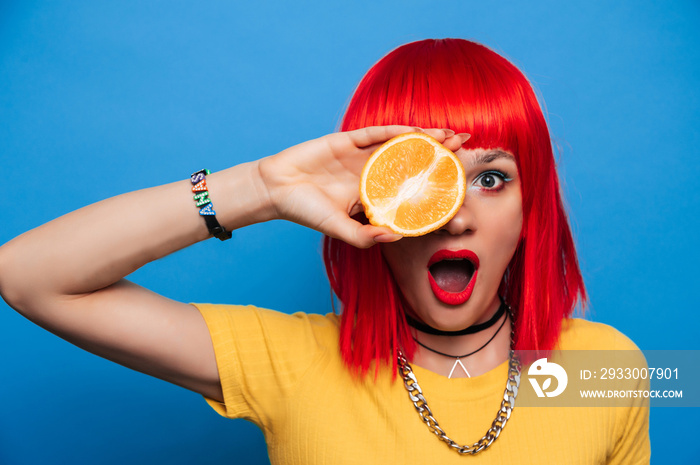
[{"x": 452, "y": 275}]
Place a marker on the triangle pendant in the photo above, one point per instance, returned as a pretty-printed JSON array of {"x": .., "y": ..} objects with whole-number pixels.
[{"x": 459, "y": 362}]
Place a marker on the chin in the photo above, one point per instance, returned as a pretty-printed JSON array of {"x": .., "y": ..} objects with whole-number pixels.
[{"x": 450, "y": 317}]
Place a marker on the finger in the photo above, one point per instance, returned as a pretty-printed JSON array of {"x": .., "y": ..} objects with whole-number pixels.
[
  {"x": 354, "y": 233},
  {"x": 437, "y": 134},
  {"x": 377, "y": 134},
  {"x": 464, "y": 136},
  {"x": 455, "y": 142},
  {"x": 384, "y": 238}
]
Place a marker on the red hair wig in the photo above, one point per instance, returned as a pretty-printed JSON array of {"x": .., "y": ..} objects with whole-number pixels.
[{"x": 464, "y": 86}]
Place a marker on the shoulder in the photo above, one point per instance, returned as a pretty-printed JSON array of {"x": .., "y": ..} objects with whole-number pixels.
[{"x": 580, "y": 334}]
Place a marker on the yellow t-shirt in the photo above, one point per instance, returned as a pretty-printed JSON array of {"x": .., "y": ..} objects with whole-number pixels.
[{"x": 285, "y": 374}]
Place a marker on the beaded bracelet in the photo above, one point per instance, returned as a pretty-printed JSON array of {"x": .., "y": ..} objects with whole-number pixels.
[{"x": 206, "y": 208}]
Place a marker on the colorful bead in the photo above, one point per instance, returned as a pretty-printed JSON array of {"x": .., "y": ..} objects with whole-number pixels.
[
  {"x": 200, "y": 186},
  {"x": 202, "y": 198},
  {"x": 208, "y": 210},
  {"x": 199, "y": 175}
]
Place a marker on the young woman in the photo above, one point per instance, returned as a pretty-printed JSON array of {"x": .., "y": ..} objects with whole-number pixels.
[{"x": 441, "y": 311}]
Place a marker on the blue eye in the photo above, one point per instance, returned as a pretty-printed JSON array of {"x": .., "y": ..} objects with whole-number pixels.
[{"x": 491, "y": 180}]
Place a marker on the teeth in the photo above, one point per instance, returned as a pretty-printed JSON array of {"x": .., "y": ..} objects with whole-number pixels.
[
  {"x": 458, "y": 260},
  {"x": 463, "y": 256}
]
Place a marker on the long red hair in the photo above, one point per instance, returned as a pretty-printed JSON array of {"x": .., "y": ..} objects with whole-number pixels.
[{"x": 464, "y": 86}]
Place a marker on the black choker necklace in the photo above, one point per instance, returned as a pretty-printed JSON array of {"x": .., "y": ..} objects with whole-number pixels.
[
  {"x": 420, "y": 326},
  {"x": 458, "y": 357}
]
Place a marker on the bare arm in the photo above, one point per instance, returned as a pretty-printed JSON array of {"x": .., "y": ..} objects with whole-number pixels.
[{"x": 67, "y": 275}]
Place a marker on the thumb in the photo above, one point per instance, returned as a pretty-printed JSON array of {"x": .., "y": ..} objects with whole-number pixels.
[{"x": 360, "y": 235}]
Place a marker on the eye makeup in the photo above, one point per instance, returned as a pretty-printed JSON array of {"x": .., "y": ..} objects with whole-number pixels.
[{"x": 491, "y": 180}]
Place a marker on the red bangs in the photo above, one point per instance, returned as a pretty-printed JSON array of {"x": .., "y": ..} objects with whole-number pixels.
[{"x": 448, "y": 83}]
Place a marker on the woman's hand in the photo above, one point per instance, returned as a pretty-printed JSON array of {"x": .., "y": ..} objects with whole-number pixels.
[{"x": 316, "y": 183}]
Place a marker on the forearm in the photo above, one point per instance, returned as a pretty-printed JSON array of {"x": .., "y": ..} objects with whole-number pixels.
[{"x": 93, "y": 247}]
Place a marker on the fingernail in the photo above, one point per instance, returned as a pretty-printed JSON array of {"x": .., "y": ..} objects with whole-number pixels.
[
  {"x": 465, "y": 137},
  {"x": 387, "y": 238},
  {"x": 448, "y": 132}
]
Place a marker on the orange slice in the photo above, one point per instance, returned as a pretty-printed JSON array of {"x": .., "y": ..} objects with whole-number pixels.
[{"x": 412, "y": 184}]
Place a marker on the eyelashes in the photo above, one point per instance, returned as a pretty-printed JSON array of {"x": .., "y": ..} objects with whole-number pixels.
[{"x": 491, "y": 181}]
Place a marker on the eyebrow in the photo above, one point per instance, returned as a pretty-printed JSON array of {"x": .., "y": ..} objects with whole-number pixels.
[{"x": 491, "y": 155}]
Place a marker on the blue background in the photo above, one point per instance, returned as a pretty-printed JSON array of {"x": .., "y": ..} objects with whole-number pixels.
[{"x": 99, "y": 98}]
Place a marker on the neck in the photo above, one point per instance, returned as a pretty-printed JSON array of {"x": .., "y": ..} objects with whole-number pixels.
[
  {"x": 473, "y": 329},
  {"x": 493, "y": 354}
]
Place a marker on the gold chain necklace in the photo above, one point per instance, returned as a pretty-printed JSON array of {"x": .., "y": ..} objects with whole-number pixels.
[{"x": 415, "y": 393}]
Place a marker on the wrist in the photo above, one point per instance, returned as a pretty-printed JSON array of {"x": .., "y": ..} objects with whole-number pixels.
[
  {"x": 240, "y": 197},
  {"x": 268, "y": 208}
]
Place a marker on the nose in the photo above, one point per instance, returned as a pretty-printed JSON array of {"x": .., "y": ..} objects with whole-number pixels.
[{"x": 463, "y": 222}]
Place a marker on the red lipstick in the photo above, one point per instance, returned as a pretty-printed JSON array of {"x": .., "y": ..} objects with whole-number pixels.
[{"x": 447, "y": 296}]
